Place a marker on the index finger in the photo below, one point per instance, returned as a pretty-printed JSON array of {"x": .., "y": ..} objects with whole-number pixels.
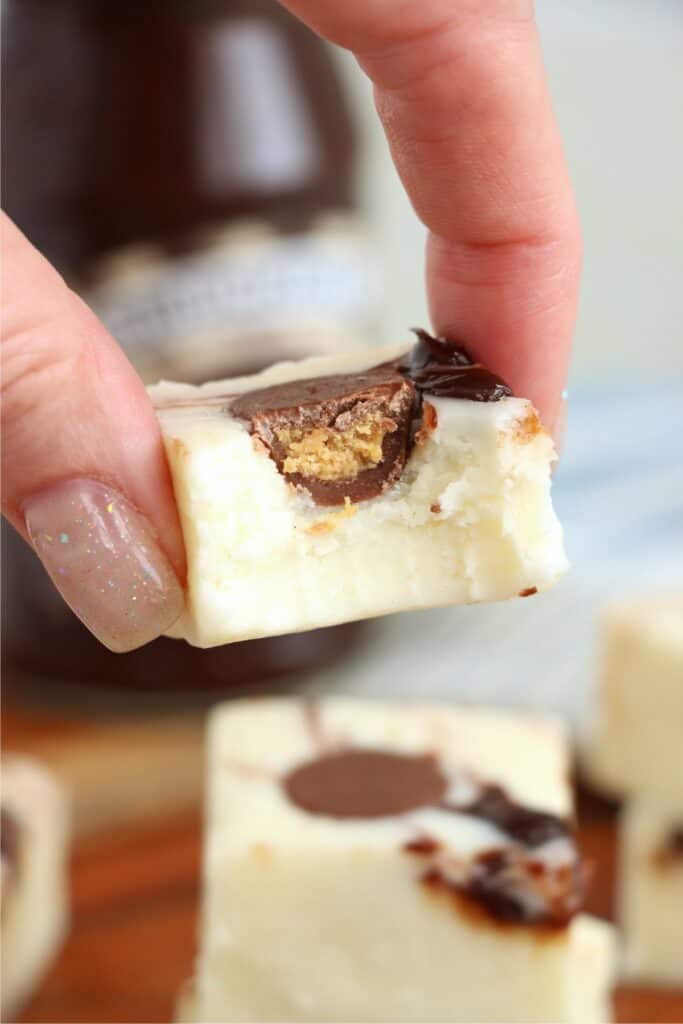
[{"x": 462, "y": 94}]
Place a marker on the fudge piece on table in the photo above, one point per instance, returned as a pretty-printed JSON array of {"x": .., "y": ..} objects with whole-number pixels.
[
  {"x": 34, "y": 888},
  {"x": 636, "y": 738},
  {"x": 651, "y": 891},
  {"x": 392, "y": 862},
  {"x": 339, "y": 488}
]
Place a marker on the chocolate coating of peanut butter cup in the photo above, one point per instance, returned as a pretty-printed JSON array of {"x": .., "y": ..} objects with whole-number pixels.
[
  {"x": 342, "y": 436},
  {"x": 365, "y": 784}
]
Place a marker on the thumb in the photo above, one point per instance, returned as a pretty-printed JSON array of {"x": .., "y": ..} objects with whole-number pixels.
[{"x": 84, "y": 476}]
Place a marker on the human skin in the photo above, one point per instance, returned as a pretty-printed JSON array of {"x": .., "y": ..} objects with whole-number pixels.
[{"x": 462, "y": 95}]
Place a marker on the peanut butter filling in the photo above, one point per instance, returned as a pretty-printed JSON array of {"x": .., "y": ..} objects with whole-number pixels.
[
  {"x": 340, "y": 438},
  {"x": 336, "y": 453}
]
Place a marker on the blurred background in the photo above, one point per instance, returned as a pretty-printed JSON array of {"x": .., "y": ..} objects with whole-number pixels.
[{"x": 212, "y": 178}]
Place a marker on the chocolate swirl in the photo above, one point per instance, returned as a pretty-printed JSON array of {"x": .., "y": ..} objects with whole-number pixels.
[
  {"x": 441, "y": 368},
  {"x": 526, "y": 826}
]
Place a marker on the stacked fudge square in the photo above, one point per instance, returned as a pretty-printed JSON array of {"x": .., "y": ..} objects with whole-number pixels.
[
  {"x": 636, "y": 752},
  {"x": 392, "y": 862},
  {"x": 34, "y": 835}
]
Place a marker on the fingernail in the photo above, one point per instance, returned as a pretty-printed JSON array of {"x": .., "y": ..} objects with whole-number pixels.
[{"x": 103, "y": 557}]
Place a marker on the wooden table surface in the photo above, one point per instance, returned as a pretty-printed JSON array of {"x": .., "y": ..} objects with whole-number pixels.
[{"x": 134, "y": 923}]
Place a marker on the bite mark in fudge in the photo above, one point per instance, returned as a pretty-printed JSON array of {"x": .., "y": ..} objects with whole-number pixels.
[
  {"x": 348, "y": 436},
  {"x": 365, "y": 784}
]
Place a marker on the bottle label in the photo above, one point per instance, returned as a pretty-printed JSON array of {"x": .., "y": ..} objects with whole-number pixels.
[{"x": 245, "y": 284}]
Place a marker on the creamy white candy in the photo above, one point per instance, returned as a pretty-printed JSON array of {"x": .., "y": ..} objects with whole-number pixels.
[
  {"x": 313, "y": 916},
  {"x": 470, "y": 519},
  {"x": 34, "y": 884},
  {"x": 635, "y": 741},
  {"x": 651, "y": 891}
]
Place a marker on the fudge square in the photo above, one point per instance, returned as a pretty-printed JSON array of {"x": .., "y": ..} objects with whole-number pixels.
[
  {"x": 34, "y": 846},
  {"x": 637, "y": 735},
  {"x": 651, "y": 891},
  {"x": 339, "y": 488},
  {"x": 392, "y": 862}
]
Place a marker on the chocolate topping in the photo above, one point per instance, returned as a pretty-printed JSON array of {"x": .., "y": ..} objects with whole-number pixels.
[
  {"x": 345, "y": 436},
  {"x": 442, "y": 368},
  {"x": 349, "y": 435},
  {"x": 365, "y": 784},
  {"x": 528, "y": 827}
]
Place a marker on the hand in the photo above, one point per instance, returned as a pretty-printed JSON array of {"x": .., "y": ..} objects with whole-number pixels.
[
  {"x": 84, "y": 475},
  {"x": 461, "y": 92}
]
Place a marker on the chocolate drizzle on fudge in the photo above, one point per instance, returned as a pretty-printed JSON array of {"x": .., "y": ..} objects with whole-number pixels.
[
  {"x": 534, "y": 876},
  {"x": 348, "y": 436},
  {"x": 528, "y": 827}
]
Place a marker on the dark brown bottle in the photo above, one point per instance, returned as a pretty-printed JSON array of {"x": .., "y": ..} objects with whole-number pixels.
[{"x": 188, "y": 166}]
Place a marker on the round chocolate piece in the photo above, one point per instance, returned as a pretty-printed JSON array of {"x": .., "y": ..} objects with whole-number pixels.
[{"x": 365, "y": 784}]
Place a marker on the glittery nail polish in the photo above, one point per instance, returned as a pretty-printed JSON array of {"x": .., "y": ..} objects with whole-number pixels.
[{"x": 103, "y": 557}]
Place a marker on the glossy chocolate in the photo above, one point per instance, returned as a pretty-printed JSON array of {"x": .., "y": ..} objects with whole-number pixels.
[
  {"x": 432, "y": 367},
  {"x": 365, "y": 784},
  {"x": 10, "y": 850},
  {"x": 333, "y": 404},
  {"x": 528, "y": 827},
  {"x": 441, "y": 368}
]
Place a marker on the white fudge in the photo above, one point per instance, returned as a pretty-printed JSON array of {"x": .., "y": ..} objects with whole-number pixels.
[
  {"x": 635, "y": 741},
  {"x": 362, "y": 863},
  {"x": 34, "y": 893},
  {"x": 468, "y": 519},
  {"x": 651, "y": 892}
]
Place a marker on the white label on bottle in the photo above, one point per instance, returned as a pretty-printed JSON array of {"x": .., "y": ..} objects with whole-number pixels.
[
  {"x": 247, "y": 78},
  {"x": 253, "y": 282}
]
